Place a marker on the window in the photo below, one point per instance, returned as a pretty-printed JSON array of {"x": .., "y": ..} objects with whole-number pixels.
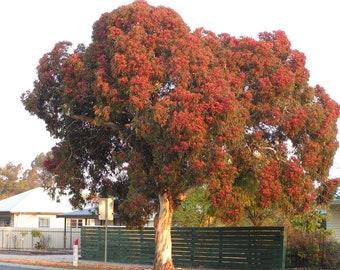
[
  {"x": 76, "y": 223},
  {"x": 5, "y": 221},
  {"x": 44, "y": 222}
]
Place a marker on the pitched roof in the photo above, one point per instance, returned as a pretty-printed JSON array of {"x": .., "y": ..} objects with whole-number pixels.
[{"x": 34, "y": 201}]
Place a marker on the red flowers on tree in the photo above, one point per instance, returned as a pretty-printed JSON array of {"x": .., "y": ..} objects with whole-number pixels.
[{"x": 154, "y": 107}]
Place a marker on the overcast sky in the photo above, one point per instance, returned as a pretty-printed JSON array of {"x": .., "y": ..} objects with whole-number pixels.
[{"x": 30, "y": 28}]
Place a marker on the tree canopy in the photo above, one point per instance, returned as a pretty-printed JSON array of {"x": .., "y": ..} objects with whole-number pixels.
[
  {"x": 151, "y": 110},
  {"x": 14, "y": 179}
]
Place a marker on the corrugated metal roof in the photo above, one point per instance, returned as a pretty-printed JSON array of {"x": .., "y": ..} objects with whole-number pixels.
[{"x": 34, "y": 201}]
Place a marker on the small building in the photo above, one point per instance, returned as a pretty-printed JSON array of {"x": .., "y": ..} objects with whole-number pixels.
[{"x": 33, "y": 209}]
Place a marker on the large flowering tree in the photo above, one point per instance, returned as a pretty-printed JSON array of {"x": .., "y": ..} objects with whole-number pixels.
[{"x": 165, "y": 110}]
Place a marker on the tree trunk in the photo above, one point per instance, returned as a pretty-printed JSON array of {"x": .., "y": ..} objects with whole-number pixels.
[{"x": 163, "y": 249}]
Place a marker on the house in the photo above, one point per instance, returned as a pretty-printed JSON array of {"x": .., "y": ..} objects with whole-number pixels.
[
  {"x": 33, "y": 209},
  {"x": 334, "y": 222}
]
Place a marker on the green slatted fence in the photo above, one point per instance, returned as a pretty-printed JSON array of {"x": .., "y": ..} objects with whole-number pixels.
[{"x": 221, "y": 248}]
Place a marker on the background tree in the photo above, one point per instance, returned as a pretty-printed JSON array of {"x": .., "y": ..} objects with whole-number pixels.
[
  {"x": 195, "y": 211},
  {"x": 9, "y": 179},
  {"x": 14, "y": 180},
  {"x": 35, "y": 175},
  {"x": 138, "y": 107}
]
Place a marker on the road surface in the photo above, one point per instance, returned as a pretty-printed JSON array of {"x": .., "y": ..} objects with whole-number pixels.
[{"x": 11, "y": 266}]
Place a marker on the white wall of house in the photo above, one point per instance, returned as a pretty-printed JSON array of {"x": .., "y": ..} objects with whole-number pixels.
[
  {"x": 26, "y": 220},
  {"x": 334, "y": 222}
]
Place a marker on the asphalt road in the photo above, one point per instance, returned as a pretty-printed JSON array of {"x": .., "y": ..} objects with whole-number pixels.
[
  {"x": 2, "y": 267},
  {"x": 51, "y": 257},
  {"x": 11, "y": 266}
]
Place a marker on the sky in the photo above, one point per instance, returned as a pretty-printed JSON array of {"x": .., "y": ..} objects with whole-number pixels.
[{"x": 31, "y": 28}]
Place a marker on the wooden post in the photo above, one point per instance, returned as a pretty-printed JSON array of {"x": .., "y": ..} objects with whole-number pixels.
[{"x": 105, "y": 213}]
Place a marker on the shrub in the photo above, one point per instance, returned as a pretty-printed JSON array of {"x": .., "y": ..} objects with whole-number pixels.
[
  {"x": 331, "y": 254},
  {"x": 36, "y": 233},
  {"x": 313, "y": 250},
  {"x": 43, "y": 242}
]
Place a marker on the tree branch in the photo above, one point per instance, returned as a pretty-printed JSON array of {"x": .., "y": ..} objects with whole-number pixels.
[
  {"x": 91, "y": 121},
  {"x": 182, "y": 196}
]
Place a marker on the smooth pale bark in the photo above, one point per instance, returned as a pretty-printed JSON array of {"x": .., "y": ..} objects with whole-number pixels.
[{"x": 163, "y": 249}]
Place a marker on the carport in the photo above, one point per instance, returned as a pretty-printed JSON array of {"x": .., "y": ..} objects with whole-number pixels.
[{"x": 85, "y": 214}]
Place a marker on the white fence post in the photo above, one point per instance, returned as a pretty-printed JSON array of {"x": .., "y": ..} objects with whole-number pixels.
[{"x": 75, "y": 253}]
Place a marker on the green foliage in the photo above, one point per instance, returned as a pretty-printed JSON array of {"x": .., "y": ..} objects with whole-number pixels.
[
  {"x": 310, "y": 222},
  {"x": 43, "y": 242},
  {"x": 310, "y": 244},
  {"x": 36, "y": 233},
  {"x": 195, "y": 211},
  {"x": 14, "y": 180}
]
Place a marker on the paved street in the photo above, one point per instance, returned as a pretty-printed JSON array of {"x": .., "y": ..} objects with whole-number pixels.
[
  {"x": 11, "y": 266},
  {"x": 47, "y": 257}
]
